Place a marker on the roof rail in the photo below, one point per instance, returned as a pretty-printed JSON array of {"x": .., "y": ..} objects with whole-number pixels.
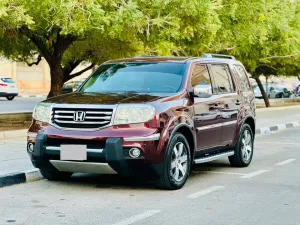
[
  {"x": 208, "y": 55},
  {"x": 144, "y": 56}
]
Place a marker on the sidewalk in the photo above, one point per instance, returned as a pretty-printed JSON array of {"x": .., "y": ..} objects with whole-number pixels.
[{"x": 13, "y": 156}]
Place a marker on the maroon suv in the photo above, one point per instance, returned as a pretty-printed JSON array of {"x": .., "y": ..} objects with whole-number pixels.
[{"x": 147, "y": 115}]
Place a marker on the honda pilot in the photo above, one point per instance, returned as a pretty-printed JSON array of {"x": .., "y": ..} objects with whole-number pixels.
[{"x": 147, "y": 115}]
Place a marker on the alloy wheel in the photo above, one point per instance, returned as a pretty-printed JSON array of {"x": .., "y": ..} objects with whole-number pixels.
[
  {"x": 246, "y": 146},
  {"x": 179, "y": 162}
]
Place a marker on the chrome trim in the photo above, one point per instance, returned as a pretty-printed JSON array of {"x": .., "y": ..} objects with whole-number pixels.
[
  {"x": 214, "y": 157},
  {"x": 153, "y": 137},
  {"x": 82, "y": 167},
  {"x": 210, "y": 126},
  {"x": 230, "y": 123},
  {"x": 86, "y": 106},
  {"x": 32, "y": 134},
  {"x": 84, "y": 122},
  {"x": 91, "y": 150},
  {"x": 217, "y": 125}
]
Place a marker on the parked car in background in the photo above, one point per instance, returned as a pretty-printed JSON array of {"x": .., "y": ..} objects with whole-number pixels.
[
  {"x": 71, "y": 86},
  {"x": 258, "y": 93},
  {"x": 147, "y": 116},
  {"x": 8, "y": 88},
  {"x": 280, "y": 92}
]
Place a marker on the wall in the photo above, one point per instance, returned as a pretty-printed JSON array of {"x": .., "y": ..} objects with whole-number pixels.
[{"x": 34, "y": 79}]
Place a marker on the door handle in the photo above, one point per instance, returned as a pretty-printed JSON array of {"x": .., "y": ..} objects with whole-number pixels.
[{"x": 237, "y": 102}]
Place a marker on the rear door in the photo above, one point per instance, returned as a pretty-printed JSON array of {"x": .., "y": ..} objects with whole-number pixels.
[
  {"x": 228, "y": 100},
  {"x": 207, "y": 112}
]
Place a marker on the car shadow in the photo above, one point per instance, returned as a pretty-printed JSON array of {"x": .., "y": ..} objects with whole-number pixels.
[{"x": 117, "y": 182}]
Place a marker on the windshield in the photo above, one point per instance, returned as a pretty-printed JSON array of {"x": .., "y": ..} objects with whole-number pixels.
[
  {"x": 7, "y": 80},
  {"x": 136, "y": 77}
]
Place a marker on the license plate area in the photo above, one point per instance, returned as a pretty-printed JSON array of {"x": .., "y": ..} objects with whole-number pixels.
[{"x": 73, "y": 152}]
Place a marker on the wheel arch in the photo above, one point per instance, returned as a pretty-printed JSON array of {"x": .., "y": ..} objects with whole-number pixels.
[
  {"x": 251, "y": 122},
  {"x": 187, "y": 132}
]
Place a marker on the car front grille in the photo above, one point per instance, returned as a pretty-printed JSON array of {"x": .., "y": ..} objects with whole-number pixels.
[{"x": 93, "y": 117}]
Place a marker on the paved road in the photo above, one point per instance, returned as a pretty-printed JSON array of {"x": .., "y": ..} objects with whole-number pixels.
[
  {"x": 275, "y": 116},
  {"x": 265, "y": 193},
  {"x": 18, "y": 104}
]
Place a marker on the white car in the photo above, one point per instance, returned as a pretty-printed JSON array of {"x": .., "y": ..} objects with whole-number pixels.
[{"x": 8, "y": 88}]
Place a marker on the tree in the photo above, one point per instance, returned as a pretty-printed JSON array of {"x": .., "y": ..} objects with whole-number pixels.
[
  {"x": 68, "y": 32},
  {"x": 259, "y": 32}
]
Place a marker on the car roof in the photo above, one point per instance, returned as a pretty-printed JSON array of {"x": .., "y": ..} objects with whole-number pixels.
[{"x": 174, "y": 59}]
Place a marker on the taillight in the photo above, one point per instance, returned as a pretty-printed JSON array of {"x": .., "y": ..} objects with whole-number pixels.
[{"x": 4, "y": 85}]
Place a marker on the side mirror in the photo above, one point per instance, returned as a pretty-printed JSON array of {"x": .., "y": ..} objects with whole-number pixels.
[{"x": 203, "y": 91}]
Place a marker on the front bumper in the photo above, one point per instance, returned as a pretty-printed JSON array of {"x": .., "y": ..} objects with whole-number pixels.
[{"x": 112, "y": 157}]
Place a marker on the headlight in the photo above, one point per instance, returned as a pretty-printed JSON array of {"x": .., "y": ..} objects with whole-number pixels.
[
  {"x": 128, "y": 114},
  {"x": 42, "y": 112}
]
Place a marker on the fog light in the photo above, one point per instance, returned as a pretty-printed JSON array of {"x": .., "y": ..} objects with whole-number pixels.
[
  {"x": 134, "y": 152},
  {"x": 30, "y": 147}
]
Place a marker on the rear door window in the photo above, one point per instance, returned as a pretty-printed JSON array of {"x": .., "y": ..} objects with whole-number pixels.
[
  {"x": 242, "y": 78},
  {"x": 7, "y": 80},
  {"x": 222, "y": 79}
]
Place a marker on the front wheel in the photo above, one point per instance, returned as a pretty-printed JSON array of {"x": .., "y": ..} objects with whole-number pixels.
[
  {"x": 177, "y": 164},
  {"x": 10, "y": 98},
  {"x": 54, "y": 174},
  {"x": 243, "y": 151}
]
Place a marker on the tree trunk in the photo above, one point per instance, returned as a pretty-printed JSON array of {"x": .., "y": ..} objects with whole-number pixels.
[
  {"x": 57, "y": 76},
  {"x": 262, "y": 90}
]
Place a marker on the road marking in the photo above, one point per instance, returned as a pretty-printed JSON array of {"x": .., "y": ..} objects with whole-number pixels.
[
  {"x": 285, "y": 162},
  {"x": 258, "y": 172},
  {"x": 205, "y": 191},
  {"x": 278, "y": 143},
  {"x": 223, "y": 172},
  {"x": 137, "y": 217}
]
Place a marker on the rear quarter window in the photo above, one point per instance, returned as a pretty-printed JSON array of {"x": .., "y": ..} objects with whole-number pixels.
[{"x": 242, "y": 78}]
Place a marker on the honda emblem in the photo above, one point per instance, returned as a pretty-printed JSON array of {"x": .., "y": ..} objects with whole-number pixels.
[{"x": 79, "y": 116}]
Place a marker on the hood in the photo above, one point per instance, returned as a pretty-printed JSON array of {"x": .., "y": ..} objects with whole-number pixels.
[{"x": 104, "y": 98}]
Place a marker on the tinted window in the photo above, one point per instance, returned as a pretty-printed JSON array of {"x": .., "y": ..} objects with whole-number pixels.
[
  {"x": 200, "y": 76},
  {"x": 7, "y": 80},
  {"x": 242, "y": 78},
  {"x": 137, "y": 77},
  {"x": 222, "y": 79}
]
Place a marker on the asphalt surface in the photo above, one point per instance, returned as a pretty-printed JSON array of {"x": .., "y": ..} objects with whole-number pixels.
[
  {"x": 265, "y": 193},
  {"x": 18, "y": 104}
]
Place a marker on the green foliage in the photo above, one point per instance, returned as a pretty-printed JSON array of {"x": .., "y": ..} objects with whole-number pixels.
[{"x": 67, "y": 32}]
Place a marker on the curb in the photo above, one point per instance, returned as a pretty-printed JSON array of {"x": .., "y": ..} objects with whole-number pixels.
[
  {"x": 268, "y": 130},
  {"x": 19, "y": 178},
  {"x": 32, "y": 96},
  {"x": 13, "y": 134}
]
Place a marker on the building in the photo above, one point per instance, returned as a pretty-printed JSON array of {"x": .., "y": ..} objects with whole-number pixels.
[{"x": 31, "y": 80}]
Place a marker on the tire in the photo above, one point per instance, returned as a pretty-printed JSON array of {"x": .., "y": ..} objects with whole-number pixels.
[
  {"x": 55, "y": 175},
  {"x": 177, "y": 164},
  {"x": 10, "y": 98},
  {"x": 243, "y": 155}
]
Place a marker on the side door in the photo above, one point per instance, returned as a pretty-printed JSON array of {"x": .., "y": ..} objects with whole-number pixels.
[
  {"x": 229, "y": 101},
  {"x": 206, "y": 108}
]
